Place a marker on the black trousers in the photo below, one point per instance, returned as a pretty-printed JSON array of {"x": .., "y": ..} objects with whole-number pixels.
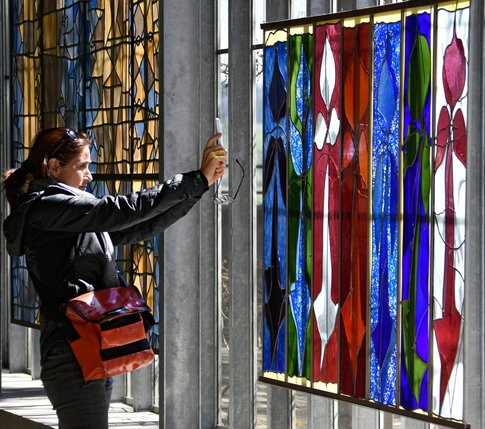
[{"x": 79, "y": 404}]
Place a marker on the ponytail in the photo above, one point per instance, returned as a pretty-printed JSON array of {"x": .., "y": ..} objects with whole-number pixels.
[{"x": 16, "y": 182}]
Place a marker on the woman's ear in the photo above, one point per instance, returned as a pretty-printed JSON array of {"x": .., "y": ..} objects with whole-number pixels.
[{"x": 53, "y": 166}]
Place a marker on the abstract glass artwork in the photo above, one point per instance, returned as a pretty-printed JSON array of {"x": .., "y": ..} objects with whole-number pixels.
[
  {"x": 326, "y": 202},
  {"x": 91, "y": 65},
  {"x": 416, "y": 200},
  {"x": 274, "y": 194},
  {"x": 365, "y": 139},
  {"x": 354, "y": 184},
  {"x": 299, "y": 202},
  {"x": 385, "y": 210}
]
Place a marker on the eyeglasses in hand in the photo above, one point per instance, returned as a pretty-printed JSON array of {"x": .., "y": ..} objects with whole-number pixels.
[{"x": 226, "y": 199}]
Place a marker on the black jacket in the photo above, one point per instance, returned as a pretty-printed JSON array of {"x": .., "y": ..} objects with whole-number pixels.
[{"x": 68, "y": 235}]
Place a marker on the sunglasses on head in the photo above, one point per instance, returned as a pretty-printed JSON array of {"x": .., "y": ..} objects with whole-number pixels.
[{"x": 69, "y": 136}]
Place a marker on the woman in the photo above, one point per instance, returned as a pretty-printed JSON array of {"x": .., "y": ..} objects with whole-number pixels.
[{"x": 68, "y": 235}]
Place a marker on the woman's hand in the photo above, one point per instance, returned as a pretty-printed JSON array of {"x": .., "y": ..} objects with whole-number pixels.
[{"x": 213, "y": 160}]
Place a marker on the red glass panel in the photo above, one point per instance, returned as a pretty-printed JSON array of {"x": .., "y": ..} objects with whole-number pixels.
[
  {"x": 326, "y": 202},
  {"x": 354, "y": 235}
]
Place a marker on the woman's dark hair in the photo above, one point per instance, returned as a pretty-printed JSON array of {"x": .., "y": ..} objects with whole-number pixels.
[{"x": 63, "y": 144}]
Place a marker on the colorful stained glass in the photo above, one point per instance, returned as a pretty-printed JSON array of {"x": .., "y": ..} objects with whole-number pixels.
[
  {"x": 326, "y": 202},
  {"x": 449, "y": 211},
  {"x": 99, "y": 73},
  {"x": 354, "y": 208},
  {"x": 385, "y": 212},
  {"x": 386, "y": 243},
  {"x": 416, "y": 197},
  {"x": 274, "y": 202},
  {"x": 300, "y": 204},
  {"x": 25, "y": 83}
]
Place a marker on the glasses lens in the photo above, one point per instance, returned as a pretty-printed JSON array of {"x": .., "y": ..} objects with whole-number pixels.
[
  {"x": 226, "y": 199},
  {"x": 72, "y": 134},
  {"x": 223, "y": 200}
]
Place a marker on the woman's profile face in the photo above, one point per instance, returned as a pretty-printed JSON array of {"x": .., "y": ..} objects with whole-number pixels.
[{"x": 76, "y": 172}]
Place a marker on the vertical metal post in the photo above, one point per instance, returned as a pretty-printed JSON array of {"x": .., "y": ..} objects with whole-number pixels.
[
  {"x": 242, "y": 355},
  {"x": 474, "y": 361},
  {"x": 4, "y": 163}
]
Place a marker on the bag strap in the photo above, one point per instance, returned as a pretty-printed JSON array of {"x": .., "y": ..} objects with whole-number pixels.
[{"x": 53, "y": 307}]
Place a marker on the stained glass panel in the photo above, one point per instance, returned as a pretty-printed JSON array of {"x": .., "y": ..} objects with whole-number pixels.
[
  {"x": 354, "y": 206},
  {"x": 449, "y": 210},
  {"x": 382, "y": 298},
  {"x": 416, "y": 200},
  {"x": 300, "y": 203},
  {"x": 274, "y": 195},
  {"x": 99, "y": 73},
  {"x": 25, "y": 88},
  {"x": 326, "y": 203},
  {"x": 385, "y": 211}
]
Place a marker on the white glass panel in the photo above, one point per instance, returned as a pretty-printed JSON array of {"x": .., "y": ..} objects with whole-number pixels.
[
  {"x": 259, "y": 14},
  {"x": 222, "y": 24},
  {"x": 298, "y": 8},
  {"x": 449, "y": 209}
]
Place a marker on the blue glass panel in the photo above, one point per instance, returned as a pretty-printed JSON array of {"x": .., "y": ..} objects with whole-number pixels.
[
  {"x": 385, "y": 194},
  {"x": 274, "y": 206},
  {"x": 416, "y": 240}
]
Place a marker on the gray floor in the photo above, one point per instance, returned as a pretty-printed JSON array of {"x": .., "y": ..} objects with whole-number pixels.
[{"x": 23, "y": 405}]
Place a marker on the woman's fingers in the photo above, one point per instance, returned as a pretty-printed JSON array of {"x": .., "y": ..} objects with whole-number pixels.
[
  {"x": 213, "y": 139},
  {"x": 219, "y": 155},
  {"x": 213, "y": 159}
]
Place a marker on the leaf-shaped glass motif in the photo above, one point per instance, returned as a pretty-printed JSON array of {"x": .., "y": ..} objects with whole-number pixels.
[
  {"x": 327, "y": 73},
  {"x": 301, "y": 139},
  {"x": 386, "y": 95},
  {"x": 320, "y": 131},
  {"x": 426, "y": 172},
  {"x": 443, "y": 136},
  {"x": 300, "y": 86},
  {"x": 325, "y": 314},
  {"x": 411, "y": 146},
  {"x": 296, "y": 149},
  {"x": 419, "y": 76},
  {"x": 459, "y": 136},
  {"x": 334, "y": 127},
  {"x": 300, "y": 297},
  {"x": 454, "y": 71},
  {"x": 308, "y": 138},
  {"x": 277, "y": 93},
  {"x": 414, "y": 362}
]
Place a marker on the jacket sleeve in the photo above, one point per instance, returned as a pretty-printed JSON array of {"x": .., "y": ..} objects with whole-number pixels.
[
  {"x": 146, "y": 230},
  {"x": 69, "y": 212}
]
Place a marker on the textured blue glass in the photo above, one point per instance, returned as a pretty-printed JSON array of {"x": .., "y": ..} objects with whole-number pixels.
[
  {"x": 385, "y": 194},
  {"x": 299, "y": 296},
  {"x": 301, "y": 148}
]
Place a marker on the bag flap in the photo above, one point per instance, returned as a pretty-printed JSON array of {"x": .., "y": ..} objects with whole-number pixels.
[{"x": 104, "y": 304}]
